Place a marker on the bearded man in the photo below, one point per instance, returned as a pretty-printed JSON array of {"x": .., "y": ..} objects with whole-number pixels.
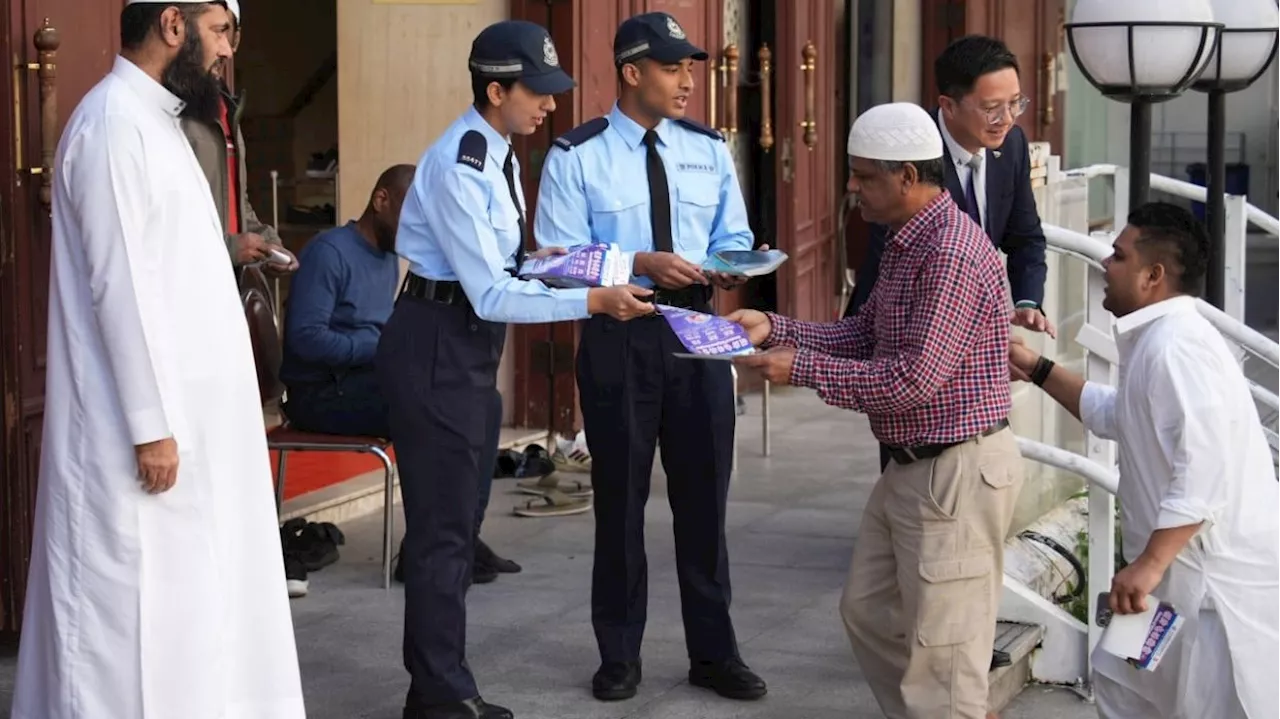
[{"x": 154, "y": 587}]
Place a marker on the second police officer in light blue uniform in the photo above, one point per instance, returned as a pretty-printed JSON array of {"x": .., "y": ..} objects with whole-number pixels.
[
  {"x": 462, "y": 231},
  {"x": 634, "y": 393}
]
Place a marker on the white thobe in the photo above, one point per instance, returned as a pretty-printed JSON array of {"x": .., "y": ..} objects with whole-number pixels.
[
  {"x": 168, "y": 606},
  {"x": 1192, "y": 450}
]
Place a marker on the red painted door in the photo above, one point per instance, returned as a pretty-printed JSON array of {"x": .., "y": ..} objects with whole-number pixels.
[
  {"x": 80, "y": 40},
  {"x": 805, "y": 154}
]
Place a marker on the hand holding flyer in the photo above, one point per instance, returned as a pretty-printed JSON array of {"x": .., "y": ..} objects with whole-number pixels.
[
  {"x": 1140, "y": 639},
  {"x": 706, "y": 336},
  {"x": 593, "y": 265}
]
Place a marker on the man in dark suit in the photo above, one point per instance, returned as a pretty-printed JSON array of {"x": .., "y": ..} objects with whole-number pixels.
[{"x": 988, "y": 170}]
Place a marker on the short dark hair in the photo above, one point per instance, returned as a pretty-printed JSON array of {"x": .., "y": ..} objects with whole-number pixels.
[
  {"x": 968, "y": 58},
  {"x": 1172, "y": 236},
  {"x": 931, "y": 172},
  {"x": 137, "y": 20},
  {"x": 480, "y": 88}
]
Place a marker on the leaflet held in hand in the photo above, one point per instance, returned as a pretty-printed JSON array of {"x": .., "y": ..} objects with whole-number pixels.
[
  {"x": 706, "y": 336},
  {"x": 594, "y": 265},
  {"x": 745, "y": 263},
  {"x": 1140, "y": 639}
]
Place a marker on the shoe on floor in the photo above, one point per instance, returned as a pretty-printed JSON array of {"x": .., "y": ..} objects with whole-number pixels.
[
  {"x": 730, "y": 679},
  {"x": 470, "y": 709},
  {"x": 483, "y": 574},
  {"x": 615, "y": 681},
  {"x": 314, "y": 544},
  {"x": 295, "y": 577},
  {"x": 489, "y": 558}
]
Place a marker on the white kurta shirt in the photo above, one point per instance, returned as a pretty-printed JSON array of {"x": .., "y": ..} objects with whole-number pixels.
[
  {"x": 1192, "y": 450},
  {"x": 138, "y": 606}
]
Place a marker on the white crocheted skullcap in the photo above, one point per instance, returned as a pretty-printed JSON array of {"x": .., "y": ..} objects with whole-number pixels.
[{"x": 895, "y": 131}]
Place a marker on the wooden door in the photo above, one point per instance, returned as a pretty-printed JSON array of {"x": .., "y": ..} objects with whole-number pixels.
[
  {"x": 1033, "y": 31},
  {"x": 80, "y": 44},
  {"x": 805, "y": 154}
]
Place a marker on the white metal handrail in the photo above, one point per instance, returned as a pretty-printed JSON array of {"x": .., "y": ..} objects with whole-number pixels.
[{"x": 1095, "y": 473}]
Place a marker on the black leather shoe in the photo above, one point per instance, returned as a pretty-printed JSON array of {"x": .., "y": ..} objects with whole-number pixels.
[
  {"x": 489, "y": 558},
  {"x": 615, "y": 681},
  {"x": 730, "y": 678},
  {"x": 470, "y": 709},
  {"x": 482, "y": 573}
]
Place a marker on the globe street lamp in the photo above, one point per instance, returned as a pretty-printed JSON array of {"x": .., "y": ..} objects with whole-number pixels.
[
  {"x": 1142, "y": 52},
  {"x": 1247, "y": 47}
]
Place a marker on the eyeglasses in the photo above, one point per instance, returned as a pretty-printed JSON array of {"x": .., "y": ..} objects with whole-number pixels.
[{"x": 995, "y": 115}]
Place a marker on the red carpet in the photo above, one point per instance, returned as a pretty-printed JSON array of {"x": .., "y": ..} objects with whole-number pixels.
[{"x": 309, "y": 471}]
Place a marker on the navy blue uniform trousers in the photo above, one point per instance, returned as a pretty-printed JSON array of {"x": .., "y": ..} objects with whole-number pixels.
[
  {"x": 438, "y": 365},
  {"x": 635, "y": 395}
]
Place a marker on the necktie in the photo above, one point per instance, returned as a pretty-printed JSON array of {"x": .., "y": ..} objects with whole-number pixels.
[
  {"x": 971, "y": 190},
  {"x": 508, "y": 170},
  {"x": 659, "y": 195}
]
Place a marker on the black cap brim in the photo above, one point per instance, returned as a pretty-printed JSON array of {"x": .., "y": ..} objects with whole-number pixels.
[
  {"x": 549, "y": 83},
  {"x": 675, "y": 52}
]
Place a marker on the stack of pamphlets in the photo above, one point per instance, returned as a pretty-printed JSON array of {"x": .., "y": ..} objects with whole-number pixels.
[
  {"x": 1140, "y": 639},
  {"x": 593, "y": 265},
  {"x": 745, "y": 263},
  {"x": 706, "y": 336}
]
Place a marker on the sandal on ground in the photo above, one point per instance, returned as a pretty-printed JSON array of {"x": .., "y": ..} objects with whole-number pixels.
[
  {"x": 538, "y": 487},
  {"x": 553, "y": 503}
]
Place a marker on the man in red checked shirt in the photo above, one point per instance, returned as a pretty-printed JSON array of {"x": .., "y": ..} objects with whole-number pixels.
[{"x": 926, "y": 360}]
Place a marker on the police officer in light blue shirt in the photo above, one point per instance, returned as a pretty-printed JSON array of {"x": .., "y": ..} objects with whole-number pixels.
[
  {"x": 462, "y": 230},
  {"x": 664, "y": 188}
]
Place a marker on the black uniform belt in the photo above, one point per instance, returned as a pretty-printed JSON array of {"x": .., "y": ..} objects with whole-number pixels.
[
  {"x": 694, "y": 297},
  {"x": 907, "y": 455},
  {"x": 447, "y": 292}
]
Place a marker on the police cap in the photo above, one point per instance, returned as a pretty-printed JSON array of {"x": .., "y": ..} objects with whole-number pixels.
[
  {"x": 655, "y": 35},
  {"x": 515, "y": 49}
]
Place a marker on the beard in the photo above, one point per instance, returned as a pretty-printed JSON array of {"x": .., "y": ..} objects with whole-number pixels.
[
  {"x": 385, "y": 234},
  {"x": 194, "y": 84}
]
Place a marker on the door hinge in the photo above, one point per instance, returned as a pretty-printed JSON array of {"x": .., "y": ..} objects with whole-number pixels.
[{"x": 551, "y": 358}]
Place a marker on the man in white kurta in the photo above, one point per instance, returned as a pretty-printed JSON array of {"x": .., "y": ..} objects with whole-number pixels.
[
  {"x": 1198, "y": 493},
  {"x": 150, "y": 595}
]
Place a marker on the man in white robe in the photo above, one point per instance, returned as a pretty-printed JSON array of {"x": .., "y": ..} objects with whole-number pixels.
[
  {"x": 1198, "y": 493},
  {"x": 156, "y": 588}
]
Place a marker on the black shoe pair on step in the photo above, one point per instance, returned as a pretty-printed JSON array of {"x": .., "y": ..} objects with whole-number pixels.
[{"x": 615, "y": 681}]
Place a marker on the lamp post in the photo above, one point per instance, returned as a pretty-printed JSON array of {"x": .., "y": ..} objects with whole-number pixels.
[
  {"x": 1141, "y": 52},
  {"x": 1247, "y": 47}
]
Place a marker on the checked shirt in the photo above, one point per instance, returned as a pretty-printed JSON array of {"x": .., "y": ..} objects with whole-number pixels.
[{"x": 926, "y": 358}]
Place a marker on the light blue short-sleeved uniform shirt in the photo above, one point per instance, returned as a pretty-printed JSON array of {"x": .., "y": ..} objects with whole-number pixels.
[
  {"x": 459, "y": 223},
  {"x": 597, "y": 190}
]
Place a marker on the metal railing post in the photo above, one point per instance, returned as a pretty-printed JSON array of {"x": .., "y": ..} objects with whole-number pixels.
[
  {"x": 766, "y": 447},
  {"x": 1235, "y": 256},
  {"x": 1102, "y": 504}
]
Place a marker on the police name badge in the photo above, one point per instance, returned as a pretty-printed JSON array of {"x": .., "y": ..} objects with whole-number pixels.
[
  {"x": 674, "y": 29},
  {"x": 549, "y": 55}
]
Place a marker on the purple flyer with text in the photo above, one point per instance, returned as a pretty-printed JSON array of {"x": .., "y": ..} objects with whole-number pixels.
[
  {"x": 594, "y": 265},
  {"x": 707, "y": 336}
]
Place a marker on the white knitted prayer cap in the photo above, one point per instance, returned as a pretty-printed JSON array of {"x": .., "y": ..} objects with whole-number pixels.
[
  {"x": 896, "y": 131},
  {"x": 232, "y": 5}
]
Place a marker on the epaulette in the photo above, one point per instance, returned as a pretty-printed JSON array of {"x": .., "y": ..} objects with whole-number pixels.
[
  {"x": 582, "y": 133},
  {"x": 472, "y": 149},
  {"x": 700, "y": 128}
]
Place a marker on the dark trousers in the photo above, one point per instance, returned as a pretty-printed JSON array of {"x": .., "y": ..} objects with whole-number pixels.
[
  {"x": 439, "y": 366},
  {"x": 634, "y": 395},
  {"x": 354, "y": 404},
  {"x": 351, "y": 403}
]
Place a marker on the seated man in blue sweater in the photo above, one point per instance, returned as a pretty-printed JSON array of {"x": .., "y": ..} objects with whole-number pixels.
[
  {"x": 337, "y": 306},
  {"x": 339, "y": 300}
]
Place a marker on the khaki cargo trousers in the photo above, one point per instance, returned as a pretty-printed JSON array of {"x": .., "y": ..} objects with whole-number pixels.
[{"x": 924, "y": 584}]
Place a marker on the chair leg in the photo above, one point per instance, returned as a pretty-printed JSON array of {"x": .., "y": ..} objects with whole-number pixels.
[
  {"x": 280, "y": 467},
  {"x": 388, "y": 513}
]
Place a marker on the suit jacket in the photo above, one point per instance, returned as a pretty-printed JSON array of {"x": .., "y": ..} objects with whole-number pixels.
[{"x": 1013, "y": 223}]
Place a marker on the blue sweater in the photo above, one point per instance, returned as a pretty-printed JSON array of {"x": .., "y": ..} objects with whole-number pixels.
[{"x": 339, "y": 300}]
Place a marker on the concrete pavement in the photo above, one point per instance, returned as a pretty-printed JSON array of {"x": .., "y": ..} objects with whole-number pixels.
[{"x": 792, "y": 522}]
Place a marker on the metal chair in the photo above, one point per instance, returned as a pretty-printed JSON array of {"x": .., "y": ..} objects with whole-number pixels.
[
  {"x": 284, "y": 439},
  {"x": 264, "y": 335}
]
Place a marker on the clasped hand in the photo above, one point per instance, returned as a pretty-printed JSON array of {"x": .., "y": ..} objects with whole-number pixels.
[{"x": 773, "y": 364}]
